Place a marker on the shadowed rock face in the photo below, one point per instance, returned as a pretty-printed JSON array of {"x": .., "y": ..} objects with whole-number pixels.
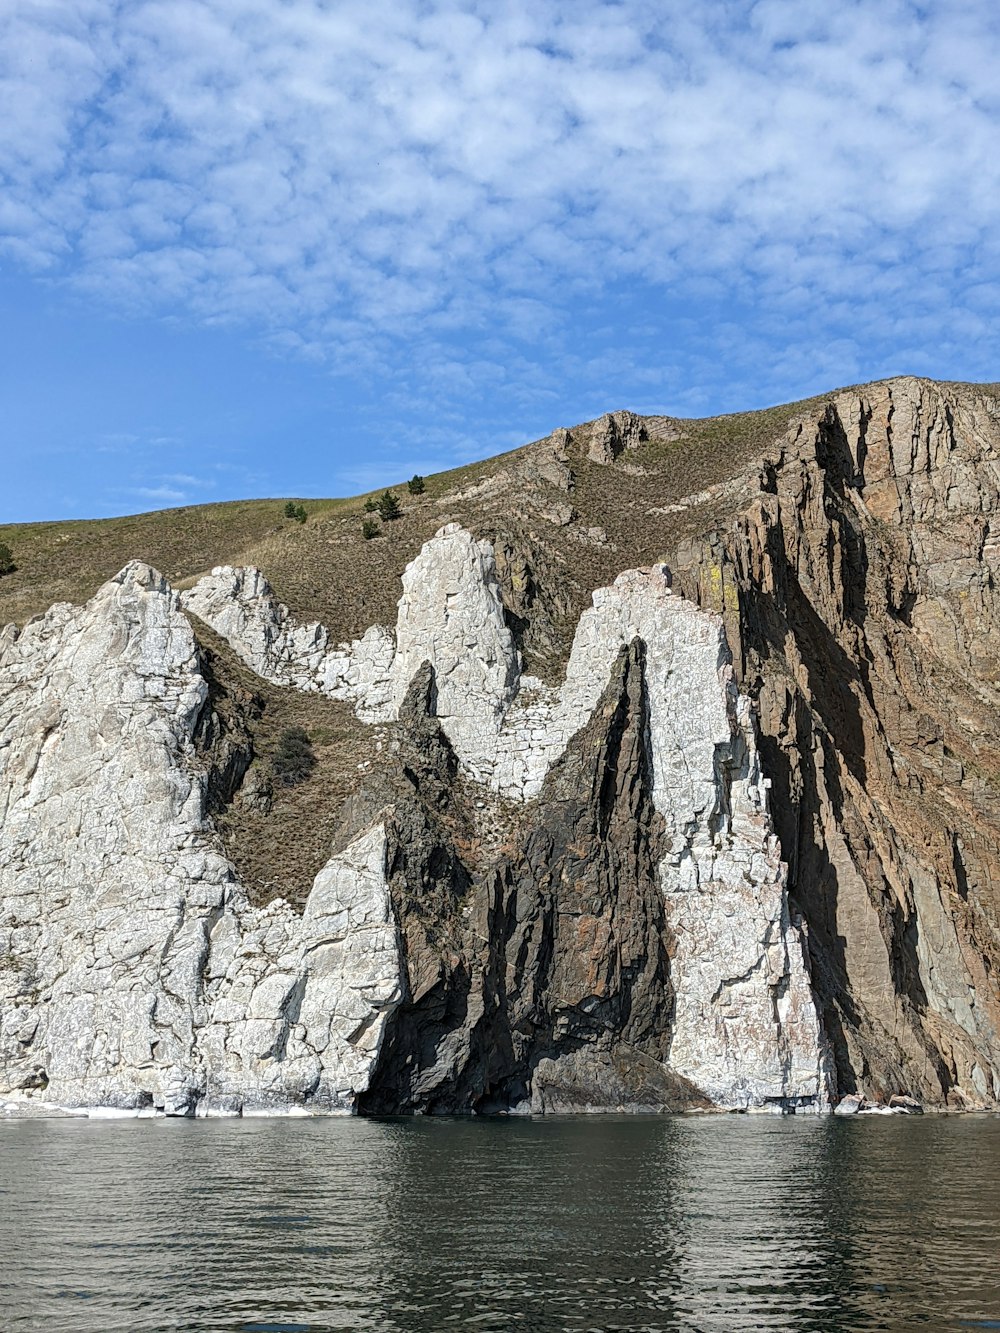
[
  {"x": 859, "y": 592},
  {"x": 555, "y": 992},
  {"x": 546, "y": 896}
]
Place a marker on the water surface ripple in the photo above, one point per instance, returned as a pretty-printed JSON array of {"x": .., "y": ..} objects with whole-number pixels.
[{"x": 557, "y": 1226}]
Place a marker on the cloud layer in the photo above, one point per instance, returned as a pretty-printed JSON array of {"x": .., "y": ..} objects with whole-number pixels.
[{"x": 480, "y": 182}]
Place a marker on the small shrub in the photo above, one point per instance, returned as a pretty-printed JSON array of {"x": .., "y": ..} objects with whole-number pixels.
[
  {"x": 388, "y": 506},
  {"x": 371, "y": 505},
  {"x": 7, "y": 565},
  {"x": 293, "y": 760},
  {"x": 370, "y": 529},
  {"x": 416, "y": 485},
  {"x": 293, "y": 510}
]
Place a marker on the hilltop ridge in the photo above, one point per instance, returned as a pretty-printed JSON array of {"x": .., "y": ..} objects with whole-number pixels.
[
  {"x": 311, "y": 564},
  {"x": 844, "y": 552}
]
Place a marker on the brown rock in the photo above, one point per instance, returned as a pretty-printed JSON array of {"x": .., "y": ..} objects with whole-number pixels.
[
  {"x": 612, "y": 434},
  {"x": 860, "y": 596}
]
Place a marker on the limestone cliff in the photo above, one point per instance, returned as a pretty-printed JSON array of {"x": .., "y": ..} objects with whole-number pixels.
[
  {"x": 625, "y": 940},
  {"x": 133, "y": 971},
  {"x": 735, "y": 844}
]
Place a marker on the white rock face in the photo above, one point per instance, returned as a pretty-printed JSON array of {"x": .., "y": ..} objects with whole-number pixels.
[
  {"x": 240, "y": 605},
  {"x": 299, "y": 1004},
  {"x": 689, "y": 701},
  {"x": 451, "y": 615},
  {"x": 746, "y": 1030},
  {"x": 132, "y": 968},
  {"x": 133, "y": 971}
]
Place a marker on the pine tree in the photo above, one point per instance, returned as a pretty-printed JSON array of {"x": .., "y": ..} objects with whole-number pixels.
[{"x": 388, "y": 507}]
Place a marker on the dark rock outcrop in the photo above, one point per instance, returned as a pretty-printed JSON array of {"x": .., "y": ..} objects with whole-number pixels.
[
  {"x": 859, "y": 592},
  {"x": 538, "y": 968}
]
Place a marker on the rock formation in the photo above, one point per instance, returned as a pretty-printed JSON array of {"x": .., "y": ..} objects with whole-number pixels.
[
  {"x": 613, "y": 434},
  {"x": 241, "y": 606},
  {"x": 859, "y": 592},
  {"x": 137, "y": 972},
  {"x": 668, "y": 875},
  {"x": 133, "y": 972}
]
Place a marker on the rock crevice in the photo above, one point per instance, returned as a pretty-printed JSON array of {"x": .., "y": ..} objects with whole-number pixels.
[{"x": 570, "y": 894}]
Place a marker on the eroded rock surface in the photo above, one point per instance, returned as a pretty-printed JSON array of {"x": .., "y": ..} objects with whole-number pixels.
[
  {"x": 139, "y": 974},
  {"x": 240, "y": 605},
  {"x": 133, "y": 972},
  {"x": 859, "y": 591},
  {"x": 572, "y": 977},
  {"x": 613, "y": 433}
]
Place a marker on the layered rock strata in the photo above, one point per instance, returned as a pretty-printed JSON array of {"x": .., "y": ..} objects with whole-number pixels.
[
  {"x": 137, "y": 973},
  {"x": 859, "y": 589}
]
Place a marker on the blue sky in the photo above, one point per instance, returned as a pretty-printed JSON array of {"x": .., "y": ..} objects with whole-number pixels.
[{"x": 310, "y": 247}]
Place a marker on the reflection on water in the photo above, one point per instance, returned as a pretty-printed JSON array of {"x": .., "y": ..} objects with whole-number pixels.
[{"x": 415, "y": 1226}]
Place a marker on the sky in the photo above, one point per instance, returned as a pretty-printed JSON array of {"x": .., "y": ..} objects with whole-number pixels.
[{"x": 310, "y": 247}]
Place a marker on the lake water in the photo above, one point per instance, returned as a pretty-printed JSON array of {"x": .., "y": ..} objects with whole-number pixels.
[{"x": 420, "y": 1226}]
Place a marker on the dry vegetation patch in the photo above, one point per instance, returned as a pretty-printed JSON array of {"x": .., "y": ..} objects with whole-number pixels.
[{"x": 278, "y": 846}]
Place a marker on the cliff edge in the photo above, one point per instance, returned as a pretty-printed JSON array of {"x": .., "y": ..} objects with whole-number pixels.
[{"x": 715, "y": 828}]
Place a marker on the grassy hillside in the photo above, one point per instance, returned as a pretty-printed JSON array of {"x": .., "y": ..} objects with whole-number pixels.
[{"x": 325, "y": 569}]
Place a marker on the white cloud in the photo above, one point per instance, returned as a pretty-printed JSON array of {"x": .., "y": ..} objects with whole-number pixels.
[
  {"x": 188, "y": 481},
  {"x": 157, "y": 493},
  {"x": 333, "y": 177}
]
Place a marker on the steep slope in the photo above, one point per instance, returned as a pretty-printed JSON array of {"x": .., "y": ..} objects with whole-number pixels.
[
  {"x": 859, "y": 589},
  {"x": 553, "y": 954}
]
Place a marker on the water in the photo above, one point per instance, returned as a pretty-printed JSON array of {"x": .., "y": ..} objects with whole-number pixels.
[{"x": 425, "y": 1226}]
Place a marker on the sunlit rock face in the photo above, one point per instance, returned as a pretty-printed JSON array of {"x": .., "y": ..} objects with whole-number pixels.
[
  {"x": 451, "y": 615},
  {"x": 299, "y": 1003},
  {"x": 240, "y": 605},
  {"x": 745, "y": 1028},
  {"x": 137, "y": 972},
  {"x": 133, "y": 972}
]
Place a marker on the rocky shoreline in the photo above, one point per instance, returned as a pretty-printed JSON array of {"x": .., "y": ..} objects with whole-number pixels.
[
  {"x": 663, "y": 879},
  {"x": 27, "y": 1106},
  {"x": 139, "y": 976}
]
